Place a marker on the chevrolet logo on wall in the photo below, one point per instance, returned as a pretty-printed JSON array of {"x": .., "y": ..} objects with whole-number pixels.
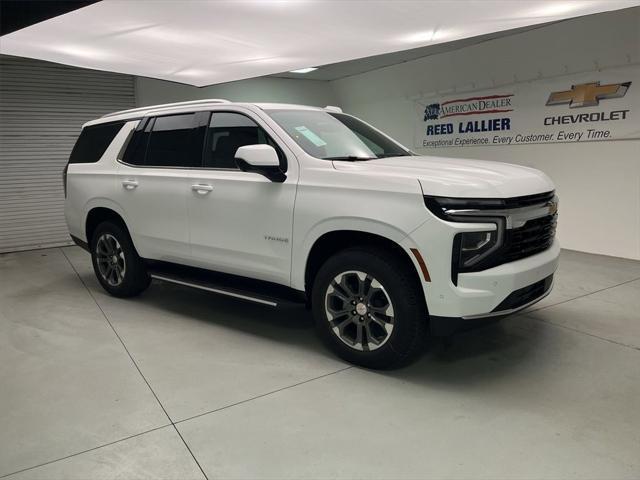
[{"x": 588, "y": 94}]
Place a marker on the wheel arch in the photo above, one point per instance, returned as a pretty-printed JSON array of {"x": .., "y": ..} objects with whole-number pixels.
[
  {"x": 334, "y": 241},
  {"x": 97, "y": 215}
]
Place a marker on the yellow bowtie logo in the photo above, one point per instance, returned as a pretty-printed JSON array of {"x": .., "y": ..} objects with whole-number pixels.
[{"x": 588, "y": 94}]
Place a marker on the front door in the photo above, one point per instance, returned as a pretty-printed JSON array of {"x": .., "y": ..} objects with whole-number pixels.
[{"x": 241, "y": 222}]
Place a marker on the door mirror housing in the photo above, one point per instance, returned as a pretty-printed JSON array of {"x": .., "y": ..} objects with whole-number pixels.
[{"x": 262, "y": 159}]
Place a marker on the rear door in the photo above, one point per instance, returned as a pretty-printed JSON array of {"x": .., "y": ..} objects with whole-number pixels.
[
  {"x": 154, "y": 184},
  {"x": 241, "y": 222}
]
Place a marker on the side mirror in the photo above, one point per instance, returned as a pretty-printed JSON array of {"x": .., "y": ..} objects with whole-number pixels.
[{"x": 262, "y": 159}]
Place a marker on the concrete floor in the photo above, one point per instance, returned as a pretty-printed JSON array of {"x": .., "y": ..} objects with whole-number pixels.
[{"x": 179, "y": 383}]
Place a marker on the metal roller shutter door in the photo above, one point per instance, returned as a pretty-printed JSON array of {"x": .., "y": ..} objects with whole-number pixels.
[{"x": 42, "y": 108}]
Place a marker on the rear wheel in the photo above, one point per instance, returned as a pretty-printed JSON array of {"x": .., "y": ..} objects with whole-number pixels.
[
  {"x": 369, "y": 308},
  {"x": 119, "y": 269}
]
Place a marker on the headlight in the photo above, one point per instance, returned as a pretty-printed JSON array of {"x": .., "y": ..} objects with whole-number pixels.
[
  {"x": 473, "y": 247},
  {"x": 471, "y": 250}
]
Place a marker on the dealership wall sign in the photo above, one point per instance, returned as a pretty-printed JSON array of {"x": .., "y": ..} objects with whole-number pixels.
[{"x": 588, "y": 107}]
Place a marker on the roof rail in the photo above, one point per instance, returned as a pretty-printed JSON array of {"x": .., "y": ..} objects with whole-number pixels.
[{"x": 165, "y": 105}]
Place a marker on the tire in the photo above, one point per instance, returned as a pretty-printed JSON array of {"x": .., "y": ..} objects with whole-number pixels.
[
  {"x": 389, "y": 337},
  {"x": 119, "y": 269}
]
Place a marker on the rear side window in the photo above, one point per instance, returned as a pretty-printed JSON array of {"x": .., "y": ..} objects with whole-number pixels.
[
  {"x": 229, "y": 131},
  {"x": 137, "y": 148},
  {"x": 171, "y": 143},
  {"x": 93, "y": 142}
]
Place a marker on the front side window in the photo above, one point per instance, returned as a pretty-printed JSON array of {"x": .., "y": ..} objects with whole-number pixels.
[
  {"x": 335, "y": 136},
  {"x": 229, "y": 131}
]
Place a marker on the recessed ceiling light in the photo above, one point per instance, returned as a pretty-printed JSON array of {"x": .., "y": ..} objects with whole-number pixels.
[
  {"x": 428, "y": 36},
  {"x": 304, "y": 70},
  {"x": 558, "y": 8},
  {"x": 80, "y": 51},
  {"x": 193, "y": 72},
  {"x": 420, "y": 36}
]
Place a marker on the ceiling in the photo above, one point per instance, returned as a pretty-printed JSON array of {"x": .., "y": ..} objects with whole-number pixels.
[
  {"x": 202, "y": 42},
  {"x": 335, "y": 71}
]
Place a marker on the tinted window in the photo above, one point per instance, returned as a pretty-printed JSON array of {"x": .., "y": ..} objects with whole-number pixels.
[
  {"x": 137, "y": 148},
  {"x": 228, "y": 132},
  {"x": 93, "y": 142},
  {"x": 170, "y": 143}
]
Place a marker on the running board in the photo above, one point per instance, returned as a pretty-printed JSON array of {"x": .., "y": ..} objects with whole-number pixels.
[{"x": 256, "y": 291}]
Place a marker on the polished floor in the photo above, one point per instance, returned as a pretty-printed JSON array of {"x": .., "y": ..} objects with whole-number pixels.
[{"x": 183, "y": 384}]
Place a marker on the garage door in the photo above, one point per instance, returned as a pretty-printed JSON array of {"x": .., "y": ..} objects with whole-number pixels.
[{"x": 42, "y": 108}]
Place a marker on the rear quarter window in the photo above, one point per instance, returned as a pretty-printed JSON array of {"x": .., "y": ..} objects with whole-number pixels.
[{"x": 93, "y": 142}]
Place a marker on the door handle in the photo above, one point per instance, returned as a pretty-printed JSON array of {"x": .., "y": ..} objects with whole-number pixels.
[
  {"x": 129, "y": 184},
  {"x": 201, "y": 189}
]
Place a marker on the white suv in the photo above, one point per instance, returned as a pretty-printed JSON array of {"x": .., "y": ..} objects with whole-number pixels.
[{"x": 276, "y": 203}]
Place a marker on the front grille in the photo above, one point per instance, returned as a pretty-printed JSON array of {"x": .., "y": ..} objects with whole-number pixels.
[
  {"x": 528, "y": 200},
  {"x": 525, "y": 295},
  {"x": 533, "y": 237}
]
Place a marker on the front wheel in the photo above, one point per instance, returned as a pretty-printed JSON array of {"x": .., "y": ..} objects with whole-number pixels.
[
  {"x": 119, "y": 269},
  {"x": 369, "y": 308}
]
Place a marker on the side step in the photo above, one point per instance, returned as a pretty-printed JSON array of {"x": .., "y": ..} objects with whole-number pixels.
[{"x": 256, "y": 291}]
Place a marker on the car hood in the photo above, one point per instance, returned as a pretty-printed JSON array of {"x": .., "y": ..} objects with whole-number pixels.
[{"x": 454, "y": 177}]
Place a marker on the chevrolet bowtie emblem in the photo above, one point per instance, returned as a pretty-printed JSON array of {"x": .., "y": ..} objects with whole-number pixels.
[{"x": 588, "y": 94}]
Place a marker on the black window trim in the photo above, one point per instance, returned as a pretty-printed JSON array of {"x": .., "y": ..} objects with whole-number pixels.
[{"x": 150, "y": 120}]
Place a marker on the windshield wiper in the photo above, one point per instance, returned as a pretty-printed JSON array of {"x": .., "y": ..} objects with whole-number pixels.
[
  {"x": 349, "y": 158},
  {"x": 387, "y": 155}
]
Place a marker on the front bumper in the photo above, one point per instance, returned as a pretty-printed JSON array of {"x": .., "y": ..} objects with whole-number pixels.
[
  {"x": 480, "y": 294},
  {"x": 516, "y": 301}
]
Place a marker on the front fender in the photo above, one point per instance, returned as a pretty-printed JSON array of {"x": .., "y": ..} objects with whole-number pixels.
[{"x": 302, "y": 248}]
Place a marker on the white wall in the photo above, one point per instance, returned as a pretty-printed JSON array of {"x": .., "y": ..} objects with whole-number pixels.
[
  {"x": 282, "y": 90},
  {"x": 598, "y": 182}
]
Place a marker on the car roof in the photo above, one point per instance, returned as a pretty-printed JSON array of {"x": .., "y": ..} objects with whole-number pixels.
[{"x": 135, "y": 113}]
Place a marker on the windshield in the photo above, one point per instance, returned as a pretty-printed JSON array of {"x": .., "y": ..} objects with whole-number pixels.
[{"x": 335, "y": 136}]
